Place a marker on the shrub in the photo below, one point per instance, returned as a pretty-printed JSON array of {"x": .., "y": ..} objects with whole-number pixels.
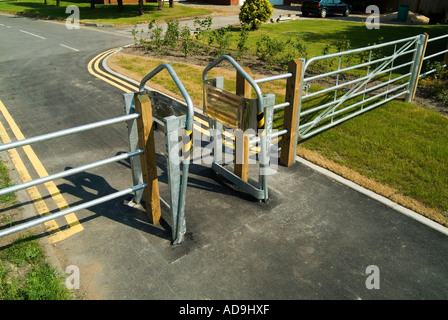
[
  {"x": 172, "y": 33},
  {"x": 201, "y": 26},
  {"x": 187, "y": 43},
  {"x": 222, "y": 37},
  {"x": 255, "y": 12},
  {"x": 242, "y": 41}
]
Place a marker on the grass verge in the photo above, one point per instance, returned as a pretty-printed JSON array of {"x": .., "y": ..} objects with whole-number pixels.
[
  {"x": 103, "y": 13},
  {"x": 24, "y": 273}
]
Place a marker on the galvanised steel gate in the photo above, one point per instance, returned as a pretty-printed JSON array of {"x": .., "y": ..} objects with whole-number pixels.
[
  {"x": 385, "y": 72},
  {"x": 139, "y": 118}
]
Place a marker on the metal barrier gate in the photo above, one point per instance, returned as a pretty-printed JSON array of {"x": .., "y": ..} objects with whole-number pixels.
[
  {"x": 139, "y": 115},
  {"x": 252, "y": 121},
  {"x": 327, "y": 107}
]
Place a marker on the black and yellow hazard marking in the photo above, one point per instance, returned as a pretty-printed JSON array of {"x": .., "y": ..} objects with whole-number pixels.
[
  {"x": 188, "y": 145},
  {"x": 260, "y": 122}
]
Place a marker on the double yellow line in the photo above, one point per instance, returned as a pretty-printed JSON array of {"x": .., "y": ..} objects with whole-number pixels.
[
  {"x": 94, "y": 69},
  {"x": 56, "y": 234}
]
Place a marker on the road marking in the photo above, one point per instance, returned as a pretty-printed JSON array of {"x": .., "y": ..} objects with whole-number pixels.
[
  {"x": 1, "y": 24},
  {"x": 96, "y": 72},
  {"x": 39, "y": 203},
  {"x": 32, "y": 34},
  {"x": 72, "y": 221},
  {"x": 92, "y": 72},
  {"x": 63, "y": 45}
]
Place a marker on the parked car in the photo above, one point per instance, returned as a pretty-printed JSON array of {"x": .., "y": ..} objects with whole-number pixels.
[{"x": 323, "y": 7}]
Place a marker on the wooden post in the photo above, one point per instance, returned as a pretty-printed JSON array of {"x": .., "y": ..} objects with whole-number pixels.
[
  {"x": 241, "y": 159},
  {"x": 293, "y": 87},
  {"x": 146, "y": 142}
]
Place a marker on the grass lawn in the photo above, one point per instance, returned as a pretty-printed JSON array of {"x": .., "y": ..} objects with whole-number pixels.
[
  {"x": 318, "y": 33},
  {"x": 399, "y": 145},
  {"x": 103, "y": 13},
  {"x": 315, "y": 35}
]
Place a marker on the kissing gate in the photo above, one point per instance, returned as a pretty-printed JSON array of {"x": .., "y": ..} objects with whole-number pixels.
[{"x": 384, "y": 72}]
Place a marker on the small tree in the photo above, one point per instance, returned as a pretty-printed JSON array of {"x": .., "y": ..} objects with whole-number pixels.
[
  {"x": 140, "y": 8},
  {"x": 120, "y": 5},
  {"x": 255, "y": 12}
]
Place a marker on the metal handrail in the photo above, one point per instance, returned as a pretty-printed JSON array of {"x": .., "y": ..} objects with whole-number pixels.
[
  {"x": 245, "y": 75},
  {"x": 69, "y": 172},
  {"x": 65, "y": 132},
  {"x": 65, "y": 212},
  {"x": 365, "y": 64},
  {"x": 180, "y": 86},
  {"x": 66, "y": 173},
  {"x": 438, "y": 38}
]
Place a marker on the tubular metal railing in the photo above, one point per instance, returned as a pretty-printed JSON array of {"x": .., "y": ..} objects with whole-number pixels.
[
  {"x": 325, "y": 114},
  {"x": 434, "y": 55},
  {"x": 69, "y": 172}
]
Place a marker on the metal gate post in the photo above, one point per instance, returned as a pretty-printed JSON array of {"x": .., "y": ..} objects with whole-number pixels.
[
  {"x": 136, "y": 167},
  {"x": 417, "y": 66},
  {"x": 241, "y": 155},
  {"x": 265, "y": 143},
  {"x": 173, "y": 168},
  {"x": 145, "y": 126},
  {"x": 216, "y": 128}
]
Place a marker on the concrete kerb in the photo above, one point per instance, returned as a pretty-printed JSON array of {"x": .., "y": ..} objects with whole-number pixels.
[{"x": 105, "y": 25}]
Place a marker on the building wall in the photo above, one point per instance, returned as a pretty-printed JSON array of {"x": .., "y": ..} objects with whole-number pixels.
[{"x": 124, "y": 1}]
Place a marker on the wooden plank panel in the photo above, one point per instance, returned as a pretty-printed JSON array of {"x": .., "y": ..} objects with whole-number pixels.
[{"x": 145, "y": 127}]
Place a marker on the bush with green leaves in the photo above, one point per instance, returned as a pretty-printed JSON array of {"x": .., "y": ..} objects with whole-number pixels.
[
  {"x": 222, "y": 38},
  {"x": 187, "y": 43},
  {"x": 254, "y": 12},
  {"x": 279, "y": 53},
  {"x": 172, "y": 33},
  {"x": 242, "y": 41}
]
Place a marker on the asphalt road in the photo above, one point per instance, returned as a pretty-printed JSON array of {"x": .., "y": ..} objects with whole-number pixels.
[{"x": 314, "y": 239}]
